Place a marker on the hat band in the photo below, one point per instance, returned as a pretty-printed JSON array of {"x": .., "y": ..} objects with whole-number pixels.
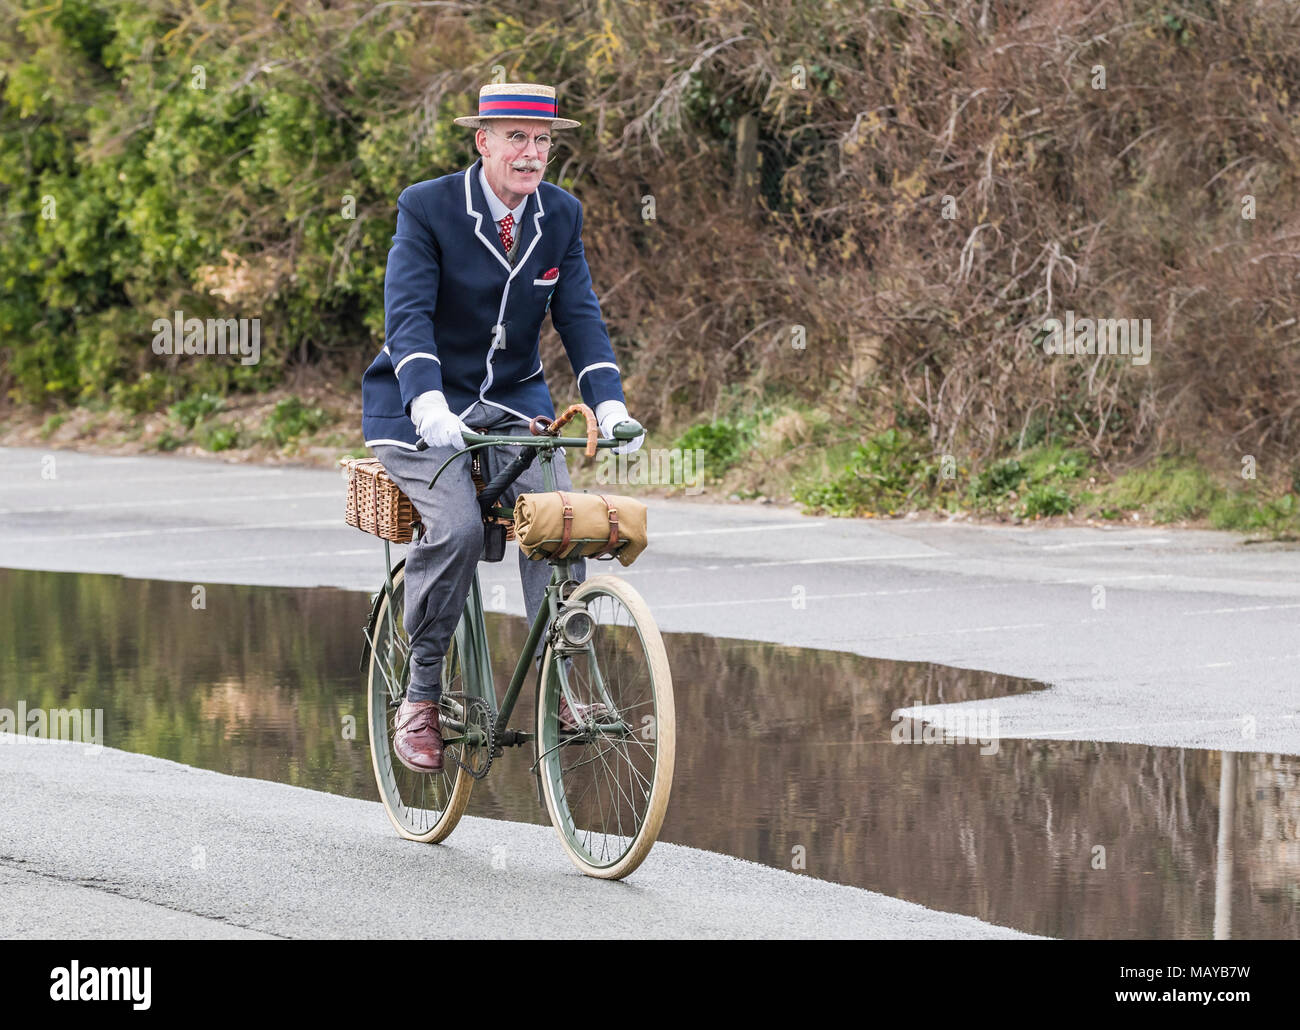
[{"x": 516, "y": 106}]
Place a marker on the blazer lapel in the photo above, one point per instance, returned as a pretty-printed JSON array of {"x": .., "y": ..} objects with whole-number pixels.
[
  {"x": 476, "y": 208},
  {"x": 530, "y": 229}
]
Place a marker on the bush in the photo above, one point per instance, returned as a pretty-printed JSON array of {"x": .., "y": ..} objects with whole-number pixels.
[
  {"x": 291, "y": 418},
  {"x": 218, "y": 438},
  {"x": 998, "y": 480},
  {"x": 1045, "y": 500},
  {"x": 192, "y": 410},
  {"x": 882, "y": 475},
  {"x": 724, "y": 442}
]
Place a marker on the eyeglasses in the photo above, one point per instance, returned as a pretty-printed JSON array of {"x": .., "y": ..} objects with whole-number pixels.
[{"x": 519, "y": 138}]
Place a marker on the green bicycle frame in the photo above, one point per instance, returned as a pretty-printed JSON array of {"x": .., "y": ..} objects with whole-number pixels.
[{"x": 471, "y": 632}]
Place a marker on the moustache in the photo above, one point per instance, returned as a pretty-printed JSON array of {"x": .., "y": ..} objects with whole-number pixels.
[{"x": 528, "y": 165}]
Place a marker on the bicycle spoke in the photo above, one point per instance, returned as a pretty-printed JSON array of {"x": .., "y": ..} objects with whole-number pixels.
[{"x": 417, "y": 802}]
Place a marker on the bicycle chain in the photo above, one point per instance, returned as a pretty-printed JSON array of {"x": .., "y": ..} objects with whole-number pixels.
[{"x": 476, "y": 706}]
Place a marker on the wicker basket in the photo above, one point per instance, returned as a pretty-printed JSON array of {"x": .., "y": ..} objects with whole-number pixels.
[{"x": 375, "y": 504}]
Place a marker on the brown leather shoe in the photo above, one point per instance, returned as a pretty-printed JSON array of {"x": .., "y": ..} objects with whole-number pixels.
[
  {"x": 573, "y": 719},
  {"x": 418, "y": 740}
]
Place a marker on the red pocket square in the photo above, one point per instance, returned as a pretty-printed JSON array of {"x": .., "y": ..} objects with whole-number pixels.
[{"x": 551, "y": 273}]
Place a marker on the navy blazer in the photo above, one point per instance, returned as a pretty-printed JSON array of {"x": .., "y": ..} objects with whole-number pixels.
[{"x": 459, "y": 318}]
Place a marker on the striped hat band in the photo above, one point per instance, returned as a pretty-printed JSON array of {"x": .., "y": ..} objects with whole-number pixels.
[
  {"x": 516, "y": 105},
  {"x": 517, "y": 100}
]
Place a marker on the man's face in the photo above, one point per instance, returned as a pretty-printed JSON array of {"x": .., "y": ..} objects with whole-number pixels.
[{"x": 512, "y": 172}]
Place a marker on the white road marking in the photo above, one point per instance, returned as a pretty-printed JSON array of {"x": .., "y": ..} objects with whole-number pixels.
[
  {"x": 1106, "y": 543},
  {"x": 740, "y": 529},
  {"x": 1250, "y": 661},
  {"x": 241, "y": 528},
  {"x": 787, "y": 561},
  {"x": 220, "y": 473},
  {"x": 275, "y": 557},
  {"x": 1251, "y": 608},
  {"x": 972, "y": 629},
  {"x": 158, "y": 503},
  {"x": 847, "y": 558}
]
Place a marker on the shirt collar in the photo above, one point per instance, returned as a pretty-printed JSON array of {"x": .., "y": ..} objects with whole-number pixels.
[{"x": 495, "y": 203}]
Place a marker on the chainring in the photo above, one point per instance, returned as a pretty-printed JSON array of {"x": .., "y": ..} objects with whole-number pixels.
[{"x": 476, "y": 715}]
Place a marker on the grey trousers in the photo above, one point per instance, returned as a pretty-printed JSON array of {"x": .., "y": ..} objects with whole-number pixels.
[{"x": 440, "y": 565}]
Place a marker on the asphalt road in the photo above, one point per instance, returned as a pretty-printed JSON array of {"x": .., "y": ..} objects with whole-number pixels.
[
  {"x": 210, "y": 855},
  {"x": 1145, "y": 635}
]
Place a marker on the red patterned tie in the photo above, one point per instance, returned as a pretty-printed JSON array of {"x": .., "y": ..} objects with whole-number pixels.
[{"x": 507, "y": 235}]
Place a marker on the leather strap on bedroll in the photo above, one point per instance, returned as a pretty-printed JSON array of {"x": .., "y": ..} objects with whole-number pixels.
[{"x": 563, "y": 525}]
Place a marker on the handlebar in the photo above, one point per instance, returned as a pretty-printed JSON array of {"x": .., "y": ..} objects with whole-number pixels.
[
  {"x": 623, "y": 432},
  {"x": 628, "y": 429}
]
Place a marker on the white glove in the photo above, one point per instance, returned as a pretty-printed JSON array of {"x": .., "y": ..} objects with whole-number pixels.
[
  {"x": 608, "y": 415},
  {"x": 437, "y": 426}
]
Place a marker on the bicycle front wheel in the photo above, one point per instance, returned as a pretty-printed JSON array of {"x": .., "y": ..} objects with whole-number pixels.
[
  {"x": 606, "y": 782},
  {"x": 422, "y": 806}
]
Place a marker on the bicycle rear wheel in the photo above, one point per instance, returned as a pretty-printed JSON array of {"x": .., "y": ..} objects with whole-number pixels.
[
  {"x": 606, "y": 785},
  {"x": 423, "y": 807}
]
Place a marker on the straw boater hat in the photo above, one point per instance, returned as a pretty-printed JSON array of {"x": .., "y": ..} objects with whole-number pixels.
[{"x": 516, "y": 100}]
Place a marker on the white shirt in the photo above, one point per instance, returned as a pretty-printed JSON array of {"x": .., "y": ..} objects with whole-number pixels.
[{"x": 497, "y": 206}]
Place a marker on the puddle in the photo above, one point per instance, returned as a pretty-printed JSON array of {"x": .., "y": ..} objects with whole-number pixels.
[{"x": 784, "y": 757}]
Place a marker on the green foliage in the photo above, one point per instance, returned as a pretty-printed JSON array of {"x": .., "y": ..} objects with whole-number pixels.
[
  {"x": 132, "y": 188},
  {"x": 291, "y": 418},
  {"x": 52, "y": 424},
  {"x": 998, "y": 480},
  {"x": 896, "y": 470},
  {"x": 1173, "y": 489},
  {"x": 1169, "y": 489},
  {"x": 1044, "y": 499},
  {"x": 723, "y": 441},
  {"x": 218, "y": 437},
  {"x": 883, "y": 474},
  {"x": 141, "y": 395},
  {"x": 192, "y": 410},
  {"x": 1279, "y": 516}
]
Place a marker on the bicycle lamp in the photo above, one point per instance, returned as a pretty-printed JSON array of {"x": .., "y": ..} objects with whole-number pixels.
[{"x": 575, "y": 625}]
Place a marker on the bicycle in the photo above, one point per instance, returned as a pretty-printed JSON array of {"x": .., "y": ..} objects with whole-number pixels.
[{"x": 604, "y": 784}]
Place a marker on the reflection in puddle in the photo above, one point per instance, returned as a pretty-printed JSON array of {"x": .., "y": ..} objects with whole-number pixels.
[{"x": 784, "y": 757}]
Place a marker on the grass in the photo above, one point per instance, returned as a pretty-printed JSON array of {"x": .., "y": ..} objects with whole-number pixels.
[
  {"x": 196, "y": 418},
  {"x": 1180, "y": 489},
  {"x": 896, "y": 470},
  {"x": 51, "y": 425},
  {"x": 1170, "y": 490}
]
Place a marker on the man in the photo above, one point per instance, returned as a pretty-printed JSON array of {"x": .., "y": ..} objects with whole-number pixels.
[{"x": 478, "y": 259}]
